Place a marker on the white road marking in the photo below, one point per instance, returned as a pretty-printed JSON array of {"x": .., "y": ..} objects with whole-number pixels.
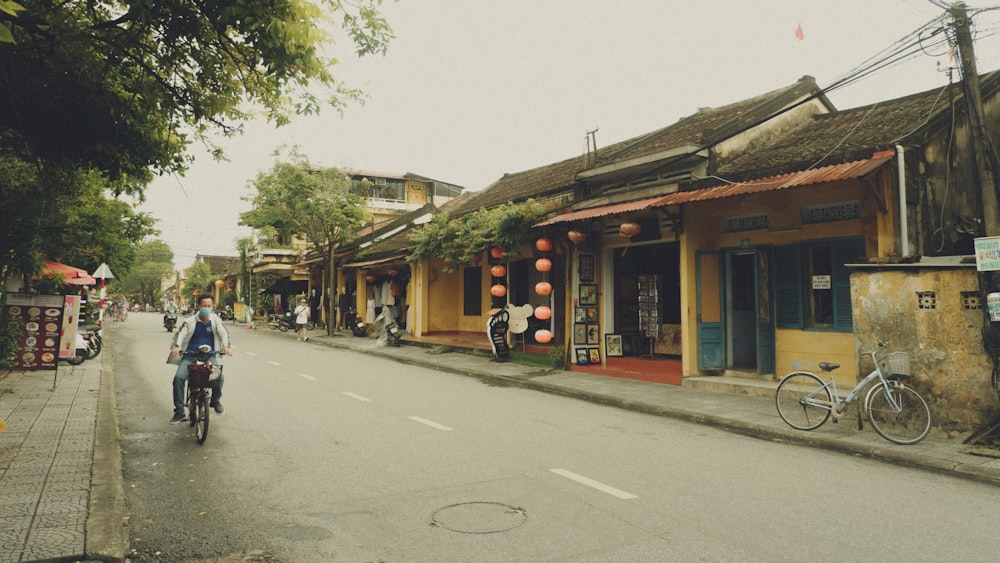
[
  {"x": 273, "y": 363},
  {"x": 430, "y": 423},
  {"x": 251, "y": 354},
  {"x": 308, "y": 377},
  {"x": 356, "y": 396},
  {"x": 594, "y": 484}
]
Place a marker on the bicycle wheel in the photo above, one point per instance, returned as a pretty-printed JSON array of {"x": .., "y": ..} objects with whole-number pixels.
[
  {"x": 909, "y": 424},
  {"x": 793, "y": 401},
  {"x": 200, "y": 417}
]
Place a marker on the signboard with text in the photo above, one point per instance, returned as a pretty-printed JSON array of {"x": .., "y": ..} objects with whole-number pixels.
[
  {"x": 987, "y": 254},
  {"x": 40, "y": 319},
  {"x": 71, "y": 318}
]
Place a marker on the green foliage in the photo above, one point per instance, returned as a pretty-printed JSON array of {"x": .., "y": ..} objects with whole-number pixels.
[
  {"x": 153, "y": 265},
  {"x": 557, "y": 357},
  {"x": 460, "y": 241},
  {"x": 199, "y": 278}
]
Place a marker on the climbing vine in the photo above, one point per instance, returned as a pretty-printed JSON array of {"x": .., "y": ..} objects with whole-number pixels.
[{"x": 462, "y": 240}]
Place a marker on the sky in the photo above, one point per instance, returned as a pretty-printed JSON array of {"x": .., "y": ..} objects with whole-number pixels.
[{"x": 473, "y": 89}]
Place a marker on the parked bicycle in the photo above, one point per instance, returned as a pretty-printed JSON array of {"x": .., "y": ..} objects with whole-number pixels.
[
  {"x": 202, "y": 379},
  {"x": 896, "y": 412}
]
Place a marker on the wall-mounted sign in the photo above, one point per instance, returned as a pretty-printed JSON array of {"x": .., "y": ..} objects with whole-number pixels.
[
  {"x": 987, "y": 253},
  {"x": 821, "y": 282}
]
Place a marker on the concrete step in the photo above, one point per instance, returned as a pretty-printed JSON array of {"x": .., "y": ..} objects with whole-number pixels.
[{"x": 730, "y": 384}]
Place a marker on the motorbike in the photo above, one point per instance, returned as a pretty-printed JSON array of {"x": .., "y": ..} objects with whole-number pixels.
[
  {"x": 93, "y": 340},
  {"x": 390, "y": 332},
  {"x": 286, "y": 322},
  {"x": 225, "y": 314},
  {"x": 356, "y": 323},
  {"x": 80, "y": 352},
  {"x": 169, "y": 320}
]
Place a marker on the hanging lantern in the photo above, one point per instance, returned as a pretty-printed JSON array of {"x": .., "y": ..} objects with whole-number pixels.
[
  {"x": 629, "y": 229},
  {"x": 219, "y": 283},
  {"x": 543, "y": 313},
  {"x": 543, "y": 244},
  {"x": 543, "y": 336},
  {"x": 543, "y": 264},
  {"x": 498, "y": 290},
  {"x": 543, "y": 288},
  {"x": 577, "y": 237},
  {"x": 370, "y": 278},
  {"x": 393, "y": 272},
  {"x": 498, "y": 271},
  {"x": 496, "y": 252}
]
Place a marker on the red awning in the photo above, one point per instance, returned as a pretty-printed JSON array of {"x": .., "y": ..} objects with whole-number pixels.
[
  {"x": 832, "y": 173},
  {"x": 70, "y": 274},
  {"x": 604, "y": 210}
]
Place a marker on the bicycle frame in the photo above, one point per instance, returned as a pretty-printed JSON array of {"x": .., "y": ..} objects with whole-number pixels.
[{"x": 837, "y": 405}]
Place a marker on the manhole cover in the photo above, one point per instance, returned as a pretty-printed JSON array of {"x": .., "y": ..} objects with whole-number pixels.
[{"x": 479, "y": 517}]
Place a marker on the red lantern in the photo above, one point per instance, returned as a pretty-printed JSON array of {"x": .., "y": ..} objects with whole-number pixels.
[
  {"x": 543, "y": 244},
  {"x": 543, "y": 288},
  {"x": 370, "y": 279},
  {"x": 498, "y": 271},
  {"x": 496, "y": 252},
  {"x": 629, "y": 229},
  {"x": 543, "y": 336},
  {"x": 543, "y": 313},
  {"x": 543, "y": 264},
  {"x": 393, "y": 272},
  {"x": 577, "y": 237},
  {"x": 498, "y": 290}
]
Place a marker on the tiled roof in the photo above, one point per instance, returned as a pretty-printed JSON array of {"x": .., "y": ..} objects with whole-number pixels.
[
  {"x": 704, "y": 128},
  {"x": 849, "y": 134}
]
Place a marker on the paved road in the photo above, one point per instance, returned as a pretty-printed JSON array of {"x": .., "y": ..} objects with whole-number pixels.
[{"x": 328, "y": 455}]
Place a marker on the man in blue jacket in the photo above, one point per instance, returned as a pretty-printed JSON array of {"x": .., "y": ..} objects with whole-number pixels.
[{"x": 204, "y": 327}]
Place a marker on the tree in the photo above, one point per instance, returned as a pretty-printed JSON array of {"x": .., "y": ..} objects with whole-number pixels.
[
  {"x": 125, "y": 86},
  {"x": 199, "y": 278},
  {"x": 153, "y": 264},
  {"x": 315, "y": 204}
]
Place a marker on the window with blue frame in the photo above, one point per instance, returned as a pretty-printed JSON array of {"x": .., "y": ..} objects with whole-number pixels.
[{"x": 812, "y": 285}]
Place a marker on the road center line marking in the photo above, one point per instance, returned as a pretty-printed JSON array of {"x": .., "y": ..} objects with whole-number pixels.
[
  {"x": 356, "y": 396},
  {"x": 308, "y": 377},
  {"x": 273, "y": 363},
  {"x": 594, "y": 484},
  {"x": 430, "y": 423},
  {"x": 254, "y": 354}
]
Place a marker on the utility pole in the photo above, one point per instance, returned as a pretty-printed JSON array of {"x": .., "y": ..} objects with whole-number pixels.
[{"x": 990, "y": 212}]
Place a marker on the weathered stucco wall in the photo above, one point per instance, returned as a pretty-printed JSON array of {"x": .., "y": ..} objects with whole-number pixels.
[{"x": 924, "y": 312}]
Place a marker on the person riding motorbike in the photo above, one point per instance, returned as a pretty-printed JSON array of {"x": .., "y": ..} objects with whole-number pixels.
[
  {"x": 204, "y": 327},
  {"x": 170, "y": 317}
]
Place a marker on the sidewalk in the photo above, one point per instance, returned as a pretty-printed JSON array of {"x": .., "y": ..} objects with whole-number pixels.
[{"x": 60, "y": 468}]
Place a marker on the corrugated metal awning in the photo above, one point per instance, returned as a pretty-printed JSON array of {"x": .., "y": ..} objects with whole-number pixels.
[
  {"x": 602, "y": 211},
  {"x": 832, "y": 173},
  {"x": 397, "y": 258}
]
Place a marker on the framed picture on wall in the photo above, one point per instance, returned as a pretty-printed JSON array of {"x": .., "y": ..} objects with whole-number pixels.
[
  {"x": 580, "y": 333},
  {"x": 588, "y": 294},
  {"x": 580, "y": 315},
  {"x": 595, "y": 356},
  {"x": 593, "y": 335},
  {"x": 591, "y": 314},
  {"x": 613, "y": 345},
  {"x": 586, "y": 267},
  {"x": 582, "y": 357}
]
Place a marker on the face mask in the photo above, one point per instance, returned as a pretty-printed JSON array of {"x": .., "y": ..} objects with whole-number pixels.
[{"x": 204, "y": 312}]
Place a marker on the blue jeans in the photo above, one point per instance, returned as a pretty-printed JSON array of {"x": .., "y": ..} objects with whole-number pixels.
[{"x": 180, "y": 378}]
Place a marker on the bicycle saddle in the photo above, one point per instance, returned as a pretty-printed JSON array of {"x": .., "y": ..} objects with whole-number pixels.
[{"x": 827, "y": 366}]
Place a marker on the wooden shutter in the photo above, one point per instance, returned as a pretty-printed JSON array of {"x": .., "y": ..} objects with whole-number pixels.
[
  {"x": 788, "y": 286},
  {"x": 847, "y": 251}
]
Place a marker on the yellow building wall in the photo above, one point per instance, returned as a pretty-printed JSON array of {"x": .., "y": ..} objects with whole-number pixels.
[
  {"x": 444, "y": 297},
  {"x": 703, "y": 232}
]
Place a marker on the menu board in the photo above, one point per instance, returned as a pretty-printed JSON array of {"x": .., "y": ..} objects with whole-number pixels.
[
  {"x": 40, "y": 320},
  {"x": 71, "y": 318}
]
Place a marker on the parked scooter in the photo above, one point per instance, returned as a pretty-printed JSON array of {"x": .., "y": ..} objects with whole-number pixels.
[
  {"x": 390, "y": 332},
  {"x": 170, "y": 320},
  {"x": 93, "y": 340},
  {"x": 80, "y": 353},
  {"x": 281, "y": 322},
  {"x": 356, "y": 323}
]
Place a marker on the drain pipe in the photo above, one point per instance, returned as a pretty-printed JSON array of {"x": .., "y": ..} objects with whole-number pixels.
[{"x": 904, "y": 229}]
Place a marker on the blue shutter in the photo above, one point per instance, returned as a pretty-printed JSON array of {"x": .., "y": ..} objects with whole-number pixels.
[
  {"x": 788, "y": 286},
  {"x": 847, "y": 251}
]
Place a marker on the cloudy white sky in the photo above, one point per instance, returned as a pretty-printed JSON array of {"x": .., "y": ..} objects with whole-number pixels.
[{"x": 472, "y": 89}]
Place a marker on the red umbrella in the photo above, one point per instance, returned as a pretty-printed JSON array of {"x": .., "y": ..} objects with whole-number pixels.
[{"x": 70, "y": 274}]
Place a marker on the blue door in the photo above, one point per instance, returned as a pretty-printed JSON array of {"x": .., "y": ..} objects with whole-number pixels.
[{"x": 709, "y": 296}]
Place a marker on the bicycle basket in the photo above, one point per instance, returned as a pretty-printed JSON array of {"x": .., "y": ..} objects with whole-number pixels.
[
  {"x": 896, "y": 363},
  {"x": 202, "y": 375}
]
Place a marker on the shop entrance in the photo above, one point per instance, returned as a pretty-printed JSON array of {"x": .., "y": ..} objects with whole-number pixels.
[{"x": 647, "y": 299}]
